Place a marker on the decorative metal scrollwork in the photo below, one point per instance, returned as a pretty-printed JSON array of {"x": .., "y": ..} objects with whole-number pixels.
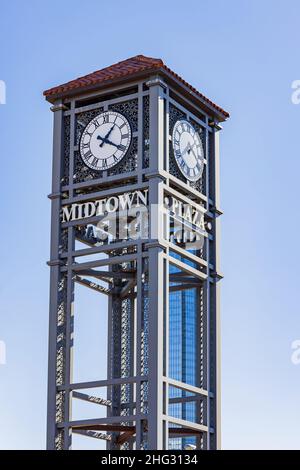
[
  {"x": 129, "y": 109},
  {"x": 129, "y": 162},
  {"x": 66, "y": 161},
  {"x": 146, "y": 136},
  {"x": 82, "y": 120}
]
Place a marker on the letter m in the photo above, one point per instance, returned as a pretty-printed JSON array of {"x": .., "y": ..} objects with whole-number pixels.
[{"x": 68, "y": 213}]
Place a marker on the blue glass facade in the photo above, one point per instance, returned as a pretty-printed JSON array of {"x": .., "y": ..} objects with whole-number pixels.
[{"x": 182, "y": 353}]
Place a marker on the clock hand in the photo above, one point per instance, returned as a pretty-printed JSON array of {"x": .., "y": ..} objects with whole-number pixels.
[
  {"x": 187, "y": 148},
  {"x": 104, "y": 140},
  {"x": 107, "y": 141},
  {"x": 100, "y": 138},
  {"x": 106, "y": 136}
]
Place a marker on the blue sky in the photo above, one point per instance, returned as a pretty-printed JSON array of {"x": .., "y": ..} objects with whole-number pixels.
[{"x": 243, "y": 55}]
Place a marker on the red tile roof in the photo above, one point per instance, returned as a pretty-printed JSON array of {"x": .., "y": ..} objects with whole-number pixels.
[{"x": 130, "y": 67}]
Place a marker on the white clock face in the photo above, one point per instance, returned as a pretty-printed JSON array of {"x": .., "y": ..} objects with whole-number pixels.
[
  {"x": 105, "y": 140},
  {"x": 188, "y": 150}
]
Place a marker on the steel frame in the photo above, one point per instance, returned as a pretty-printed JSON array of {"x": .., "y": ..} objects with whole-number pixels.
[{"x": 146, "y": 423}]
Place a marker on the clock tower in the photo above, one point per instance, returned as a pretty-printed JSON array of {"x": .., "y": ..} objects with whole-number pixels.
[{"x": 135, "y": 218}]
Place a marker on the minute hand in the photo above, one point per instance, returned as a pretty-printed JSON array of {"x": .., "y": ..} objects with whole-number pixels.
[{"x": 107, "y": 135}]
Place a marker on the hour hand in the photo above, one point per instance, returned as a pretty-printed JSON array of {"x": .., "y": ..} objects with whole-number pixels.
[
  {"x": 106, "y": 141},
  {"x": 101, "y": 138},
  {"x": 187, "y": 149}
]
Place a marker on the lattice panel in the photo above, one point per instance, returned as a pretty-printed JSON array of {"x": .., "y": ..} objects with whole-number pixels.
[
  {"x": 145, "y": 320},
  {"x": 126, "y": 353},
  {"x": 81, "y": 171},
  {"x": 66, "y": 160},
  {"x": 129, "y": 109},
  {"x": 146, "y": 132},
  {"x": 211, "y": 163},
  {"x": 60, "y": 356},
  {"x": 82, "y": 120},
  {"x": 213, "y": 359},
  {"x": 63, "y": 247},
  {"x": 59, "y": 440},
  {"x": 201, "y": 329},
  {"x": 129, "y": 162},
  {"x": 145, "y": 336},
  {"x": 61, "y": 330},
  {"x": 174, "y": 115}
]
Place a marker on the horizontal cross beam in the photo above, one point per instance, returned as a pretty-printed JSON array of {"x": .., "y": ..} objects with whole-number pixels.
[{"x": 91, "y": 399}]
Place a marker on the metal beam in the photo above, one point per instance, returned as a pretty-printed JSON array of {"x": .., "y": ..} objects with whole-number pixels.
[
  {"x": 186, "y": 268},
  {"x": 105, "y": 427},
  {"x": 106, "y": 262},
  {"x": 92, "y": 285},
  {"x": 187, "y": 424},
  {"x": 109, "y": 274},
  {"x": 95, "y": 435},
  {"x": 103, "y": 383},
  {"x": 186, "y": 387},
  {"x": 91, "y": 398},
  {"x": 89, "y": 422}
]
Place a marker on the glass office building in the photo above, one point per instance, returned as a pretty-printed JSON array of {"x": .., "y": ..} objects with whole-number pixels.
[{"x": 182, "y": 354}]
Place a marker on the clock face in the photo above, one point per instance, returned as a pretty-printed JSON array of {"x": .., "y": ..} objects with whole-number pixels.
[
  {"x": 188, "y": 150},
  {"x": 105, "y": 140}
]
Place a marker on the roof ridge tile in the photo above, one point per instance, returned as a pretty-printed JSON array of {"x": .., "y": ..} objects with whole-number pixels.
[{"x": 123, "y": 68}]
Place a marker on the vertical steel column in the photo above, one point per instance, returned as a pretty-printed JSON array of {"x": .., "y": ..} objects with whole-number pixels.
[
  {"x": 70, "y": 296},
  {"x": 217, "y": 290},
  {"x": 156, "y": 265},
  {"x": 139, "y": 274},
  {"x": 215, "y": 287},
  {"x": 54, "y": 264},
  {"x": 207, "y": 305}
]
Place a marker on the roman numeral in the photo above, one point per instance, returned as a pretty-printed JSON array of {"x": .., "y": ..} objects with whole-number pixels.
[
  {"x": 96, "y": 124},
  {"x": 88, "y": 155},
  {"x": 121, "y": 127},
  {"x": 121, "y": 147},
  {"x": 105, "y": 118},
  {"x": 125, "y": 136},
  {"x": 104, "y": 163},
  {"x": 94, "y": 162},
  {"x": 86, "y": 146}
]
